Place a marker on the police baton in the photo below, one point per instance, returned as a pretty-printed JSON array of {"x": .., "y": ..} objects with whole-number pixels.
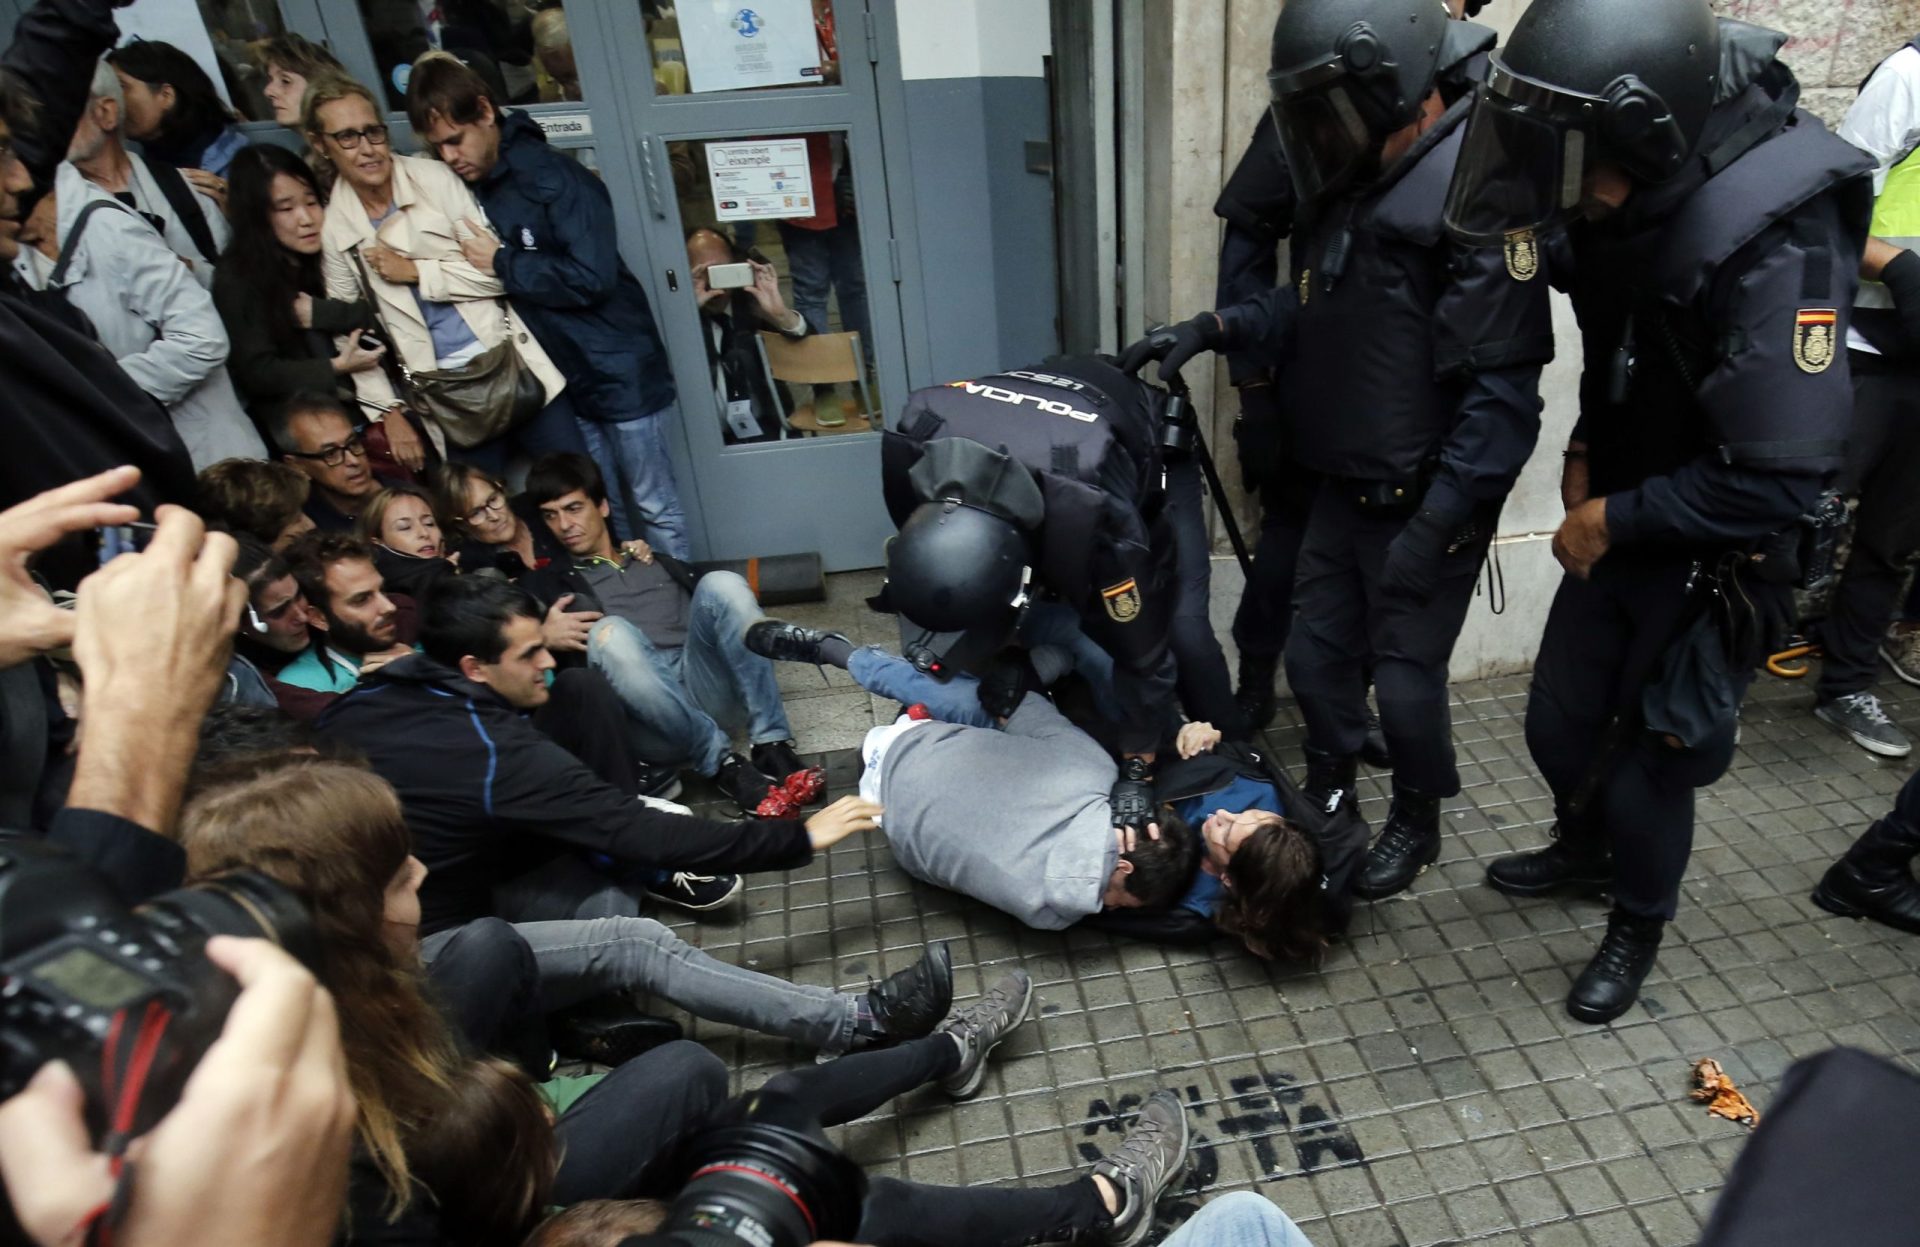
[{"x": 1182, "y": 433}]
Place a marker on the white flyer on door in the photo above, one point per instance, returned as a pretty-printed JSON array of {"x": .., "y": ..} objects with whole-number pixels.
[
  {"x": 177, "y": 22},
  {"x": 760, "y": 179},
  {"x": 733, "y": 44}
]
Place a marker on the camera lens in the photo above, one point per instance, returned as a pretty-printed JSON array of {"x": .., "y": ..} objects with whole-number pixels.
[
  {"x": 767, "y": 1176},
  {"x": 241, "y": 903}
]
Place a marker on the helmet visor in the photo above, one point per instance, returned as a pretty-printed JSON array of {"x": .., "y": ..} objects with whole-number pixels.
[
  {"x": 1324, "y": 137},
  {"x": 1520, "y": 168}
]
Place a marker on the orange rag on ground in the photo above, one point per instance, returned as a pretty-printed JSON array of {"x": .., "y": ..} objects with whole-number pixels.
[{"x": 1713, "y": 1088}]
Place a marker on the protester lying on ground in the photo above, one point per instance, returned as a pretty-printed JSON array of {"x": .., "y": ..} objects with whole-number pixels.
[
  {"x": 403, "y": 527},
  {"x": 987, "y": 812}
]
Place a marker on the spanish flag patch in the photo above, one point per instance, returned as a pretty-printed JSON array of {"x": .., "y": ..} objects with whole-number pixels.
[{"x": 1814, "y": 333}]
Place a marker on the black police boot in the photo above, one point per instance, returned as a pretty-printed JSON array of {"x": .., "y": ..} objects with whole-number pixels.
[
  {"x": 1375, "y": 752},
  {"x": 910, "y": 1003},
  {"x": 608, "y": 1031},
  {"x": 1611, "y": 982},
  {"x": 1579, "y": 863},
  {"x": 1875, "y": 880},
  {"x": 1408, "y": 844},
  {"x": 1254, "y": 695},
  {"x": 1330, "y": 778}
]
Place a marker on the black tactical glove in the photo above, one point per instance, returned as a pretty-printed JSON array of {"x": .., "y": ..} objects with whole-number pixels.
[
  {"x": 1259, "y": 436},
  {"x": 1412, "y": 567},
  {"x": 1174, "y": 345},
  {"x": 1901, "y": 277},
  {"x": 1007, "y": 682},
  {"x": 1132, "y": 796}
]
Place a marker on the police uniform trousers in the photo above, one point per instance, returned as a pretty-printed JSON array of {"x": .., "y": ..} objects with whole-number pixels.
[
  {"x": 1266, "y": 605},
  {"x": 1206, "y": 686},
  {"x": 1883, "y": 467},
  {"x": 1341, "y": 617},
  {"x": 1603, "y": 641}
]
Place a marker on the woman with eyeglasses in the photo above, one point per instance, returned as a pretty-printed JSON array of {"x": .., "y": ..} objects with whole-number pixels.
[
  {"x": 393, "y": 229},
  {"x": 491, "y": 529}
]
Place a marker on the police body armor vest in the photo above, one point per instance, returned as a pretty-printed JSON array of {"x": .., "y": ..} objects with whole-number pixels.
[
  {"x": 1361, "y": 381},
  {"x": 1087, "y": 434},
  {"x": 1654, "y": 422}
]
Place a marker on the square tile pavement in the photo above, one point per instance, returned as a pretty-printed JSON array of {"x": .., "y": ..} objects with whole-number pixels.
[{"x": 1424, "y": 1084}]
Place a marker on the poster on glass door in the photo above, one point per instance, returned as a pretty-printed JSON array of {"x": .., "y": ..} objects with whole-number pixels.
[
  {"x": 760, "y": 179},
  {"x": 736, "y": 44},
  {"x": 179, "y": 23}
]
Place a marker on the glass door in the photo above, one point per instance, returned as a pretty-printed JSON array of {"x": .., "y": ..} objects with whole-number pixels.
[{"x": 765, "y": 225}]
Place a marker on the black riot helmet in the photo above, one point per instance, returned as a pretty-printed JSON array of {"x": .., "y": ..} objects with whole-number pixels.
[
  {"x": 1345, "y": 75},
  {"x": 1580, "y": 83},
  {"x": 957, "y": 568}
]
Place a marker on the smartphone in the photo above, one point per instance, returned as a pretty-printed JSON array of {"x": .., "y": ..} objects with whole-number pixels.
[
  {"x": 370, "y": 343},
  {"x": 729, "y": 276},
  {"x": 121, "y": 539}
]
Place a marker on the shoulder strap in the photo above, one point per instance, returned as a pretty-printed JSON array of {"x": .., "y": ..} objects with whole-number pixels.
[
  {"x": 186, "y": 207},
  {"x": 72, "y": 245}
]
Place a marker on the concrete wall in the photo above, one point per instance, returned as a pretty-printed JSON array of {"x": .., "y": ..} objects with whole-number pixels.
[
  {"x": 976, "y": 94},
  {"x": 1213, "y": 88}
]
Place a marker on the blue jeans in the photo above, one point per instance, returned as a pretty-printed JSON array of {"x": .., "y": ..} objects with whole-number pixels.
[
  {"x": 1053, "y": 623},
  {"x": 633, "y": 457},
  {"x": 553, "y": 431},
  {"x": 679, "y": 698},
  {"x": 823, "y": 259},
  {"x": 1239, "y": 1219},
  {"x": 886, "y": 675}
]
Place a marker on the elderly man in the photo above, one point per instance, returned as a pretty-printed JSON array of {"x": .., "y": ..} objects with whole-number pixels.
[
  {"x": 190, "y": 221},
  {"x": 315, "y": 437}
]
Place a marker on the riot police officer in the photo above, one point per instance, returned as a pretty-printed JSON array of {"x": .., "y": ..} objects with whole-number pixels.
[
  {"x": 1409, "y": 367},
  {"x": 1034, "y": 503},
  {"x": 1712, "y": 251}
]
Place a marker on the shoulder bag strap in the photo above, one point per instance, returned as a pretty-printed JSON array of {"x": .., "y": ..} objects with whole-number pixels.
[
  {"x": 180, "y": 197},
  {"x": 72, "y": 245}
]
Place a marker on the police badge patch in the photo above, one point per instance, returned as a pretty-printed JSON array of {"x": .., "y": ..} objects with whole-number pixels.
[
  {"x": 1523, "y": 255},
  {"x": 1122, "y": 601},
  {"x": 1813, "y": 338}
]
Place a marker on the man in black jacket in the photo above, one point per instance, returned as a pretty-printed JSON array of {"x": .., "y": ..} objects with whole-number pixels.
[
  {"x": 670, "y": 642},
  {"x": 508, "y": 823},
  {"x": 66, "y": 409}
]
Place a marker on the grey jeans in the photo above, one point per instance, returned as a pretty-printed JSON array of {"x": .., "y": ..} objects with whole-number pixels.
[{"x": 589, "y": 940}]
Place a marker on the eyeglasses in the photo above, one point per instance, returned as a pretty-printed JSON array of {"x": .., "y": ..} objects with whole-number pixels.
[
  {"x": 349, "y": 140},
  {"x": 492, "y": 506},
  {"x": 334, "y": 456}
]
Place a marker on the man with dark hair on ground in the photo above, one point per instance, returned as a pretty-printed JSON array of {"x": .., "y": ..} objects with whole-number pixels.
[
  {"x": 315, "y": 436},
  {"x": 250, "y": 497},
  {"x": 508, "y": 823},
  {"x": 669, "y": 640},
  {"x": 555, "y": 249},
  {"x": 347, "y": 605}
]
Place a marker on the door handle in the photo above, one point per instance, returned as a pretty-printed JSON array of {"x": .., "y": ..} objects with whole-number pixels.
[
  {"x": 673, "y": 280},
  {"x": 650, "y": 178}
]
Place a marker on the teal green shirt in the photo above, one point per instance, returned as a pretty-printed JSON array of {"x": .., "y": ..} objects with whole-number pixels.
[{"x": 335, "y": 673}]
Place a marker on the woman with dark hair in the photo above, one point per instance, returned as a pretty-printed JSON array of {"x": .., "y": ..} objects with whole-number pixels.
[
  {"x": 173, "y": 109},
  {"x": 491, "y": 527},
  {"x": 270, "y": 293},
  {"x": 454, "y": 1149}
]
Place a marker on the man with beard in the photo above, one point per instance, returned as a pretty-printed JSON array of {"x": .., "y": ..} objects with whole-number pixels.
[{"x": 356, "y": 622}]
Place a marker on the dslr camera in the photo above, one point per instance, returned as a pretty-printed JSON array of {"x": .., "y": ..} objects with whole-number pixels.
[
  {"x": 126, "y": 997},
  {"x": 763, "y": 1175}
]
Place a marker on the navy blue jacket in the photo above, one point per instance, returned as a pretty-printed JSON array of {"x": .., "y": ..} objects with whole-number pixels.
[{"x": 559, "y": 259}]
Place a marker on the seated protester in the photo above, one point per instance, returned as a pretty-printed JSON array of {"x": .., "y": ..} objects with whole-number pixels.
[
  {"x": 315, "y": 435},
  {"x": 158, "y": 323},
  {"x": 669, "y": 639},
  {"x": 728, "y": 321},
  {"x": 970, "y": 809},
  {"x": 189, "y": 220},
  {"x": 493, "y": 530},
  {"x": 508, "y": 824},
  {"x": 274, "y": 632},
  {"x": 407, "y": 539},
  {"x": 356, "y": 625},
  {"x": 258, "y": 499},
  {"x": 272, "y": 297}
]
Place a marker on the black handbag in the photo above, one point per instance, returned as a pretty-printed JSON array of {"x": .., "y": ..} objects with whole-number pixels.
[{"x": 488, "y": 396}]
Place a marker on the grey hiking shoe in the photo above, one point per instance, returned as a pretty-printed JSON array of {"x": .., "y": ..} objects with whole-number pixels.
[
  {"x": 1858, "y": 716},
  {"x": 980, "y": 1026},
  {"x": 1901, "y": 649},
  {"x": 1145, "y": 1164}
]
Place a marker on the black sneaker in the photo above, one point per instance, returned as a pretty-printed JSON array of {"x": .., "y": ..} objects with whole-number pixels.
[
  {"x": 912, "y": 1002},
  {"x": 742, "y": 782},
  {"x": 609, "y": 1031},
  {"x": 777, "y": 760},
  {"x": 1144, "y": 1165},
  {"x": 787, "y": 642},
  {"x": 698, "y": 893},
  {"x": 981, "y": 1026},
  {"x": 662, "y": 783}
]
